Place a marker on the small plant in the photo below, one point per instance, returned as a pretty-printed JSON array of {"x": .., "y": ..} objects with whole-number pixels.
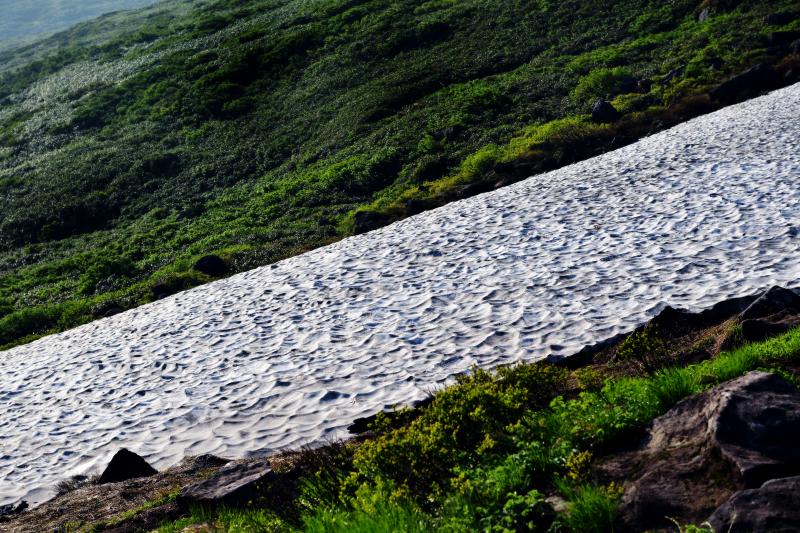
[
  {"x": 591, "y": 508},
  {"x": 645, "y": 347}
]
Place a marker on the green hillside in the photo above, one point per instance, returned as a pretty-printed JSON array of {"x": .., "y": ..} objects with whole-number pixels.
[{"x": 254, "y": 130}]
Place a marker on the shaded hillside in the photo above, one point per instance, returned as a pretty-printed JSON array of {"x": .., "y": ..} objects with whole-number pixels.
[{"x": 256, "y": 130}]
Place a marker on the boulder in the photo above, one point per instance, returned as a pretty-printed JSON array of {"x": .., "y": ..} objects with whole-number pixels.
[
  {"x": 211, "y": 265},
  {"x": 628, "y": 84},
  {"x": 415, "y": 207},
  {"x": 9, "y": 510},
  {"x": 693, "y": 458},
  {"x": 783, "y": 38},
  {"x": 779, "y": 19},
  {"x": 775, "y": 300},
  {"x": 772, "y": 508},
  {"x": 752, "y": 81},
  {"x": 604, "y": 113},
  {"x": 759, "y": 329},
  {"x": 126, "y": 465},
  {"x": 233, "y": 485},
  {"x": 365, "y": 221}
]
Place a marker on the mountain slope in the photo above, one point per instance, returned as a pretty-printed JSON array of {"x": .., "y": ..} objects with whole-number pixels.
[
  {"x": 254, "y": 130},
  {"x": 24, "y": 20}
]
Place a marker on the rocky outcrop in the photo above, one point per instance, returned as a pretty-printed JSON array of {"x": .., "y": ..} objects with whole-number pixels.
[
  {"x": 604, "y": 113},
  {"x": 734, "y": 436},
  {"x": 365, "y": 221},
  {"x": 772, "y": 508},
  {"x": 233, "y": 485},
  {"x": 126, "y": 465},
  {"x": 775, "y": 300},
  {"x": 211, "y": 265},
  {"x": 7, "y": 511}
]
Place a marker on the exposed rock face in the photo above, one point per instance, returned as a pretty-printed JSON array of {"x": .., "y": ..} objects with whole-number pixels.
[
  {"x": 233, "y": 485},
  {"x": 734, "y": 436},
  {"x": 775, "y": 300},
  {"x": 126, "y": 465},
  {"x": 603, "y": 112},
  {"x": 211, "y": 265},
  {"x": 772, "y": 508},
  {"x": 760, "y": 329},
  {"x": 752, "y": 81}
]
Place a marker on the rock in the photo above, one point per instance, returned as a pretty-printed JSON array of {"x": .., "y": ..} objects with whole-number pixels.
[
  {"x": 704, "y": 15},
  {"x": 759, "y": 329},
  {"x": 7, "y": 511},
  {"x": 671, "y": 75},
  {"x": 795, "y": 49},
  {"x": 365, "y": 221},
  {"x": 211, "y": 265},
  {"x": 783, "y": 38},
  {"x": 603, "y": 112},
  {"x": 107, "y": 309},
  {"x": 772, "y": 508},
  {"x": 233, "y": 485},
  {"x": 447, "y": 134},
  {"x": 628, "y": 84},
  {"x": 779, "y": 19},
  {"x": 126, "y": 465},
  {"x": 473, "y": 189},
  {"x": 415, "y": 207},
  {"x": 775, "y": 300},
  {"x": 752, "y": 81},
  {"x": 694, "y": 457}
]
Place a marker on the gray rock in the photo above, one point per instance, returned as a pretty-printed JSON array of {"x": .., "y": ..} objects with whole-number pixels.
[
  {"x": 233, "y": 485},
  {"x": 772, "y": 508},
  {"x": 775, "y": 300},
  {"x": 603, "y": 112},
  {"x": 695, "y": 456},
  {"x": 126, "y": 465}
]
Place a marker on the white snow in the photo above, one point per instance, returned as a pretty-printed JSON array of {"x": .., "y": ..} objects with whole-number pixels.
[{"x": 289, "y": 354}]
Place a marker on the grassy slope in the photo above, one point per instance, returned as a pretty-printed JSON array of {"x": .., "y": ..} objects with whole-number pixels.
[
  {"x": 486, "y": 452},
  {"x": 255, "y": 129}
]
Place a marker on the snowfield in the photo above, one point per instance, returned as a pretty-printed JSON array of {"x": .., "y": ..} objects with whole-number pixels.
[{"x": 290, "y": 354}]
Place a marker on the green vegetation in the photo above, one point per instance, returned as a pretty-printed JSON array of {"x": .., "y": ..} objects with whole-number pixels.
[
  {"x": 131, "y": 146},
  {"x": 487, "y": 451}
]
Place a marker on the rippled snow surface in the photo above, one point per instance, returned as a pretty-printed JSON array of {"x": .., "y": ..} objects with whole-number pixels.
[{"x": 289, "y": 354}]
